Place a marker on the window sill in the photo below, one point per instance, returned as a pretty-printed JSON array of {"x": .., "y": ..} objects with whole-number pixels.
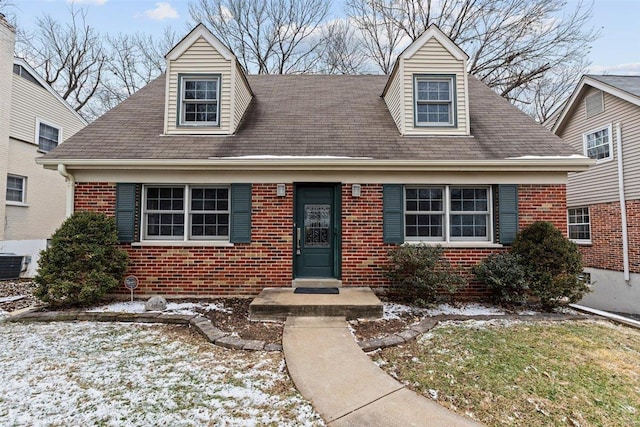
[
  {"x": 454, "y": 244},
  {"x": 581, "y": 242},
  {"x": 604, "y": 160},
  {"x": 182, "y": 243},
  {"x": 19, "y": 204}
]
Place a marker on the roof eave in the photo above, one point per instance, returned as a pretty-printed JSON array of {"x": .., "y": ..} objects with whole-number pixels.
[{"x": 559, "y": 164}]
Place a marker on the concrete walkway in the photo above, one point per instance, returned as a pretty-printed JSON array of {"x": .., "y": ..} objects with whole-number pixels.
[{"x": 345, "y": 387}]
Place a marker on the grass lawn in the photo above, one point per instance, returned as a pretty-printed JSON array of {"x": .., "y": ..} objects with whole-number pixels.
[
  {"x": 527, "y": 374},
  {"x": 115, "y": 374}
]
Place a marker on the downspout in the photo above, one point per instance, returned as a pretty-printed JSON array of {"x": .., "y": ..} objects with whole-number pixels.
[
  {"x": 71, "y": 182},
  {"x": 623, "y": 206}
]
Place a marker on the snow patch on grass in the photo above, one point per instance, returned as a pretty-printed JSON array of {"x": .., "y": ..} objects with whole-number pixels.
[
  {"x": 116, "y": 374},
  {"x": 172, "y": 307},
  {"x": 473, "y": 309},
  {"x": 397, "y": 311}
]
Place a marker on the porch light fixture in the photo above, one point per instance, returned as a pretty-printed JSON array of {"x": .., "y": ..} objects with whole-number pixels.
[
  {"x": 281, "y": 190},
  {"x": 356, "y": 190}
]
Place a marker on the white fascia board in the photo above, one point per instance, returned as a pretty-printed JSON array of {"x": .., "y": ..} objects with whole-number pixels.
[
  {"x": 199, "y": 31},
  {"x": 434, "y": 32},
  {"x": 557, "y": 164},
  {"x": 588, "y": 81},
  {"x": 47, "y": 87}
]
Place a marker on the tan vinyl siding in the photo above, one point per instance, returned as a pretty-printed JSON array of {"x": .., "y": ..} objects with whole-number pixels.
[
  {"x": 200, "y": 58},
  {"x": 629, "y": 118},
  {"x": 599, "y": 183},
  {"x": 30, "y": 102},
  {"x": 433, "y": 58},
  {"x": 242, "y": 98},
  {"x": 393, "y": 99}
]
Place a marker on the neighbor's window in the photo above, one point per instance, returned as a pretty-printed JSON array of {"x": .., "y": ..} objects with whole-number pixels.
[
  {"x": 15, "y": 188},
  {"x": 579, "y": 224},
  {"x": 199, "y": 100},
  {"x": 447, "y": 213},
  {"x": 597, "y": 144},
  {"x": 434, "y": 98},
  {"x": 170, "y": 210},
  {"x": 48, "y": 137}
]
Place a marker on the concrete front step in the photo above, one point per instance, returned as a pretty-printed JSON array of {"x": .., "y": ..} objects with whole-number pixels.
[
  {"x": 316, "y": 283},
  {"x": 280, "y": 303}
]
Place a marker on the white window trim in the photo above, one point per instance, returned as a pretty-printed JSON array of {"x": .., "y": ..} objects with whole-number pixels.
[
  {"x": 24, "y": 192},
  {"x": 609, "y": 128},
  {"x": 185, "y": 240},
  {"x": 181, "y": 102},
  {"x": 447, "y": 240},
  {"x": 37, "y": 137},
  {"x": 452, "y": 102},
  {"x": 579, "y": 241}
]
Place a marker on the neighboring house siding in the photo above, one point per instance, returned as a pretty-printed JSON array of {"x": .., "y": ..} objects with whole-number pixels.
[
  {"x": 45, "y": 190},
  {"x": 242, "y": 97},
  {"x": 199, "y": 58},
  {"x": 45, "y": 197},
  {"x": 30, "y": 102},
  {"x": 393, "y": 99},
  {"x": 600, "y": 183},
  {"x": 245, "y": 269},
  {"x": 433, "y": 58}
]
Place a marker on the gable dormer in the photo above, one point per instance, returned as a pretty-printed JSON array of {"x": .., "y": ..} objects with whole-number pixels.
[
  {"x": 207, "y": 92},
  {"x": 427, "y": 90}
]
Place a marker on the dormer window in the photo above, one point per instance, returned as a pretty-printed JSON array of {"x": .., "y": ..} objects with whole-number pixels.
[
  {"x": 434, "y": 100},
  {"x": 199, "y": 100}
]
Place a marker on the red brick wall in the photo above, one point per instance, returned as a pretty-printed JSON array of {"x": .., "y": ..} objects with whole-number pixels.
[
  {"x": 95, "y": 196},
  {"x": 605, "y": 250},
  {"x": 542, "y": 203},
  {"x": 245, "y": 269},
  {"x": 364, "y": 254}
]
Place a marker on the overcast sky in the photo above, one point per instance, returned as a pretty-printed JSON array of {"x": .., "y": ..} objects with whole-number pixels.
[{"x": 616, "y": 52}]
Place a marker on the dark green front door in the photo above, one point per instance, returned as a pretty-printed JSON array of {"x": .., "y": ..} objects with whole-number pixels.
[{"x": 315, "y": 231}]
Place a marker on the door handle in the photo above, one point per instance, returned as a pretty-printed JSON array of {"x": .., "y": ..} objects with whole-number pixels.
[{"x": 298, "y": 233}]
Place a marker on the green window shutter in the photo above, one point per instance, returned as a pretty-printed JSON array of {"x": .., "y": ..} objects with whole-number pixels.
[
  {"x": 508, "y": 213},
  {"x": 126, "y": 211},
  {"x": 392, "y": 213},
  {"x": 240, "y": 213}
]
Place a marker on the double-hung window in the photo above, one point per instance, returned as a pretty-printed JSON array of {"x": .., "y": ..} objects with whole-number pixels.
[
  {"x": 186, "y": 212},
  {"x": 48, "y": 136},
  {"x": 447, "y": 213},
  {"x": 579, "y": 225},
  {"x": 199, "y": 100},
  {"x": 598, "y": 144},
  {"x": 15, "y": 188},
  {"x": 434, "y": 100}
]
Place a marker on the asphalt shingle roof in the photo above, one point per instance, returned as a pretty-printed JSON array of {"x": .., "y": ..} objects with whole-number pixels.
[
  {"x": 630, "y": 84},
  {"x": 312, "y": 115}
]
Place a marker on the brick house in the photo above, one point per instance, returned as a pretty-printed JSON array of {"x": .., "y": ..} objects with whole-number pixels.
[
  {"x": 602, "y": 120},
  {"x": 225, "y": 183}
]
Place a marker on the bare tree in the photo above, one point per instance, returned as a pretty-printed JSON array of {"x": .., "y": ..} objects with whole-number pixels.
[
  {"x": 343, "y": 51},
  {"x": 70, "y": 57},
  {"x": 267, "y": 36},
  {"x": 512, "y": 44},
  {"x": 134, "y": 60},
  {"x": 381, "y": 35}
]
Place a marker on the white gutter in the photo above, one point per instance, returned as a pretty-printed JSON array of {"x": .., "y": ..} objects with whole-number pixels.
[
  {"x": 62, "y": 170},
  {"x": 559, "y": 164},
  {"x": 623, "y": 206}
]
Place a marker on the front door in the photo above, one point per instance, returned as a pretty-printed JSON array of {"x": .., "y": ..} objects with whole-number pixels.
[{"x": 315, "y": 231}]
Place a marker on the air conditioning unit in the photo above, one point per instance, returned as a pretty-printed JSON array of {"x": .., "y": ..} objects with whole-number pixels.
[{"x": 10, "y": 266}]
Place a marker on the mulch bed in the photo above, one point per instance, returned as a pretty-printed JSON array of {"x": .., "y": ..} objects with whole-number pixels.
[
  {"x": 9, "y": 288},
  {"x": 236, "y": 320}
]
